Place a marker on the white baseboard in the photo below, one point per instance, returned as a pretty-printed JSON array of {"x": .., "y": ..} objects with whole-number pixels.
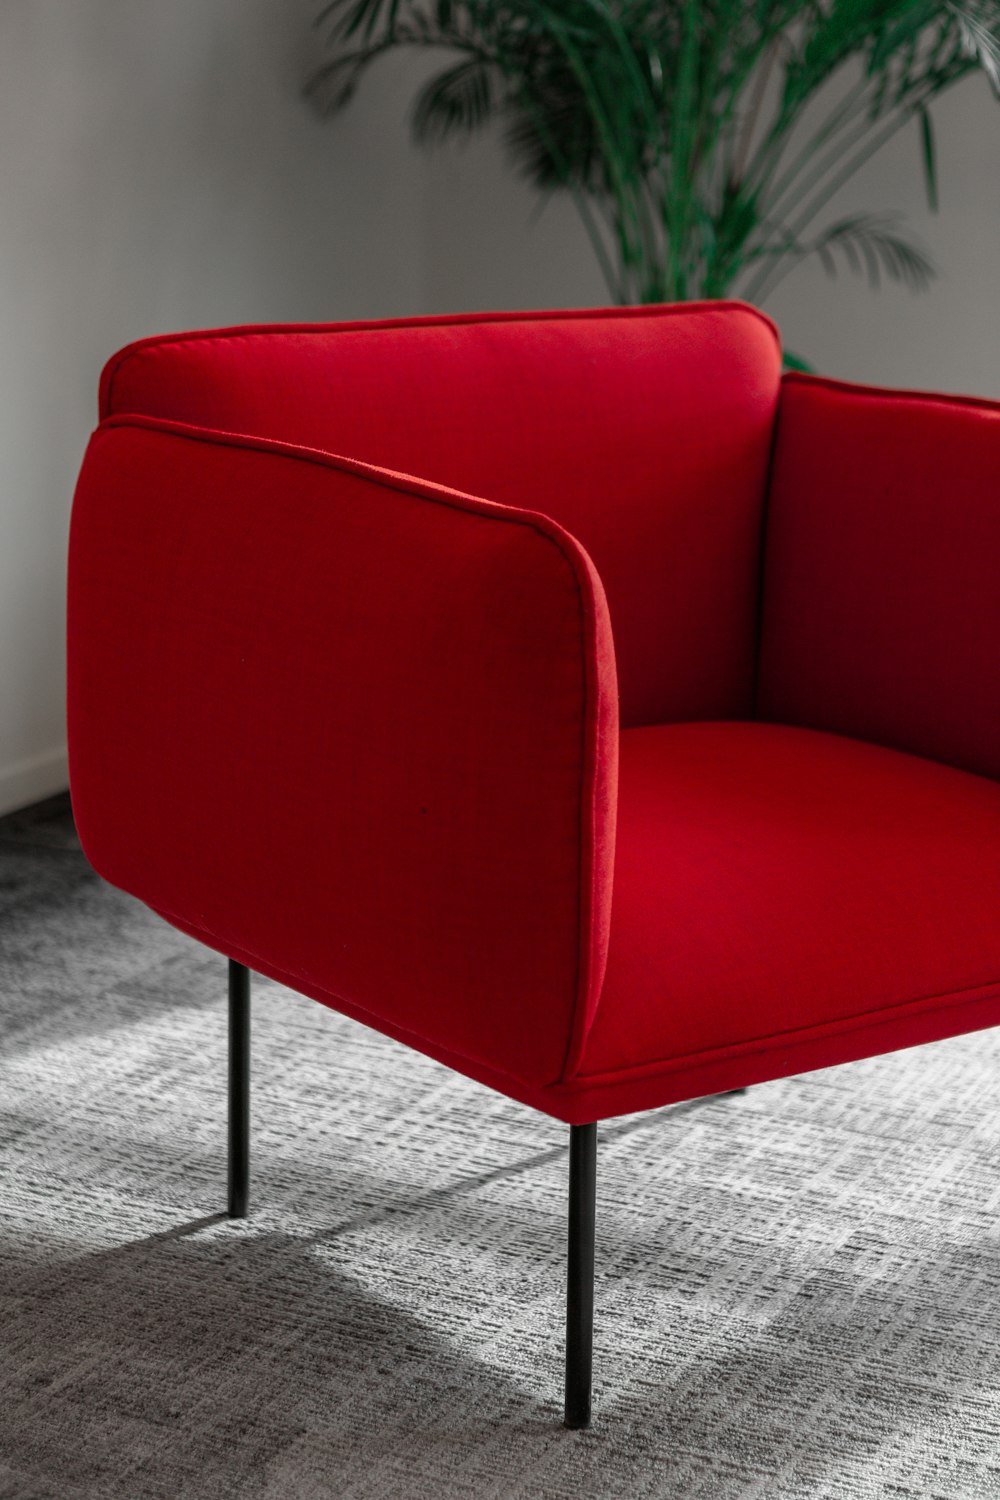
[{"x": 27, "y": 781}]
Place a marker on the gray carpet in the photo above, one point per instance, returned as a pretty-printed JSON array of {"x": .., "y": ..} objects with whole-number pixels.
[{"x": 798, "y": 1294}]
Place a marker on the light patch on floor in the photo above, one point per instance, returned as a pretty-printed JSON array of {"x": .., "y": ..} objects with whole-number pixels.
[{"x": 798, "y": 1290}]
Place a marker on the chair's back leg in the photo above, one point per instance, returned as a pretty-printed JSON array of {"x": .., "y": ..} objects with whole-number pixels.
[
  {"x": 580, "y": 1278},
  {"x": 239, "y": 1089}
]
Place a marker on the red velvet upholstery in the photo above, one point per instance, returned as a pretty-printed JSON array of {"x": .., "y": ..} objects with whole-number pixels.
[
  {"x": 644, "y": 432},
  {"x": 786, "y": 899},
  {"x": 361, "y": 731}
]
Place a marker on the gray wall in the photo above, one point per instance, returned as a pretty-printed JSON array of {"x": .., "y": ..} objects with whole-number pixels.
[{"x": 160, "y": 171}]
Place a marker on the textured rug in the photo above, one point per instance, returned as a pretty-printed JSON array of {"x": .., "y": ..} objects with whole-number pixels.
[{"x": 798, "y": 1290}]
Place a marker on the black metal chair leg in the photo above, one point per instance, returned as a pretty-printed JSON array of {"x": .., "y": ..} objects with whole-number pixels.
[
  {"x": 580, "y": 1278},
  {"x": 239, "y": 1089}
]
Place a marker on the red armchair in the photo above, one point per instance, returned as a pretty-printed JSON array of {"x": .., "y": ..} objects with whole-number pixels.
[{"x": 612, "y": 720}]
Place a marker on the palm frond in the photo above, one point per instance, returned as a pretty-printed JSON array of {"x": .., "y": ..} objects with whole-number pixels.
[
  {"x": 928, "y": 151},
  {"x": 347, "y": 17},
  {"x": 872, "y": 244},
  {"x": 455, "y": 102},
  {"x": 978, "y": 23},
  {"x": 700, "y": 140},
  {"x": 333, "y": 86},
  {"x": 543, "y": 142}
]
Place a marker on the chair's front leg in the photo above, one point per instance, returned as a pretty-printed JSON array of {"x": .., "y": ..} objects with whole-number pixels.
[
  {"x": 580, "y": 1273},
  {"x": 239, "y": 1089}
]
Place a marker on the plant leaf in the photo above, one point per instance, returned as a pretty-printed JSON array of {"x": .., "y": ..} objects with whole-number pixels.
[
  {"x": 457, "y": 101},
  {"x": 796, "y": 362},
  {"x": 979, "y": 29},
  {"x": 872, "y": 242},
  {"x": 686, "y": 130},
  {"x": 929, "y": 156},
  {"x": 350, "y": 16}
]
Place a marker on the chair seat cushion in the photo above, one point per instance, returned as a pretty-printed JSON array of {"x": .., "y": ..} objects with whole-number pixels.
[{"x": 775, "y": 884}]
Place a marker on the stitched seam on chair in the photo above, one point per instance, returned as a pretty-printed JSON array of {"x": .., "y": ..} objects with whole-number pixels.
[
  {"x": 377, "y": 1022},
  {"x": 765, "y": 520},
  {"x": 548, "y": 531},
  {"x": 584, "y": 1083},
  {"x": 586, "y": 808},
  {"x": 876, "y": 392},
  {"x": 265, "y": 330},
  {"x": 755, "y": 1045},
  {"x": 390, "y": 479}
]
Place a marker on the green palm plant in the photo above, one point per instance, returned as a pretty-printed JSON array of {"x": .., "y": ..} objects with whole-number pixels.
[{"x": 701, "y": 140}]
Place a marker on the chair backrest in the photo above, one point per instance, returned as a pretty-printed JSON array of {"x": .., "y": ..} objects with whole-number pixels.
[{"x": 644, "y": 431}]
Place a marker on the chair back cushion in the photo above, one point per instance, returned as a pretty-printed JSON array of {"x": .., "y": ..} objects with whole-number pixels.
[{"x": 645, "y": 432}]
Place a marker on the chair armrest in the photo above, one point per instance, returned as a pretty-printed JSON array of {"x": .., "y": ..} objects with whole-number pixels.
[
  {"x": 881, "y": 614},
  {"x": 355, "y": 729}
]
